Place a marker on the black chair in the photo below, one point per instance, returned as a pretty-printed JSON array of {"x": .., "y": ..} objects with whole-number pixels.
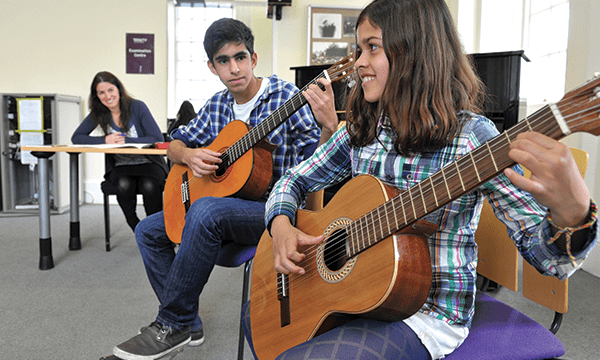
[{"x": 107, "y": 189}]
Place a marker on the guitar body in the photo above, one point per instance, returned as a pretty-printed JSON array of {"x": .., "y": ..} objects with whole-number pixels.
[
  {"x": 366, "y": 266},
  {"x": 247, "y": 165},
  {"x": 388, "y": 281},
  {"x": 248, "y": 177}
]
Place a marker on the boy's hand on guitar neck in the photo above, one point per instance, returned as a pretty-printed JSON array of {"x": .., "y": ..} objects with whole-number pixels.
[
  {"x": 322, "y": 104},
  {"x": 555, "y": 180},
  {"x": 286, "y": 242}
]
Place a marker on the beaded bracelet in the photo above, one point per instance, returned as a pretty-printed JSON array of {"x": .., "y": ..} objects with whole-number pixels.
[{"x": 568, "y": 231}]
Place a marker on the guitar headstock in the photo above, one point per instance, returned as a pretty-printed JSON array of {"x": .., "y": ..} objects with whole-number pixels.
[
  {"x": 341, "y": 69},
  {"x": 581, "y": 107}
]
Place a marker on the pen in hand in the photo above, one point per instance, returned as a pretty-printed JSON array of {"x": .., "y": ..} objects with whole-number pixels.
[{"x": 115, "y": 138}]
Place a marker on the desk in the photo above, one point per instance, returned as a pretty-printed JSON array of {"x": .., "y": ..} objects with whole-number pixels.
[{"x": 43, "y": 153}]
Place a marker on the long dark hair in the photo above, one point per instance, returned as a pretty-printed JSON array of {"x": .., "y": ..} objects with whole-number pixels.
[
  {"x": 430, "y": 78},
  {"x": 101, "y": 113},
  {"x": 185, "y": 114}
]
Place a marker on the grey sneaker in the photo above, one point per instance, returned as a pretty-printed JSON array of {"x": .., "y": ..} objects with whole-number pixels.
[
  {"x": 154, "y": 342},
  {"x": 197, "y": 336}
]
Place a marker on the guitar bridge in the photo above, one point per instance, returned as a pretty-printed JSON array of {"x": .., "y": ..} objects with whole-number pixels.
[
  {"x": 185, "y": 191},
  {"x": 283, "y": 295}
]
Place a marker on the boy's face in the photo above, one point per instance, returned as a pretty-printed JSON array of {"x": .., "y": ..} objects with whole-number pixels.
[{"x": 234, "y": 65}]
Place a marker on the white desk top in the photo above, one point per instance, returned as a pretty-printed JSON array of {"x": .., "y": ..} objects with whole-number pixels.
[{"x": 107, "y": 149}]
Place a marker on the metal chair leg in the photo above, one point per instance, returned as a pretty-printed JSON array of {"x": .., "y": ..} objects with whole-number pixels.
[
  {"x": 245, "y": 287},
  {"x": 107, "y": 222}
]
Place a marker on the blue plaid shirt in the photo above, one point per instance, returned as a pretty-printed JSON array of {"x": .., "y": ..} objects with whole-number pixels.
[
  {"x": 453, "y": 249},
  {"x": 295, "y": 139}
]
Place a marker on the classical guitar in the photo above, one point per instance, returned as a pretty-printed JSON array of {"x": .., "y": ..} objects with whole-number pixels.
[
  {"x": 247, "y": 164},
  {"x": 369, "y": 264}
]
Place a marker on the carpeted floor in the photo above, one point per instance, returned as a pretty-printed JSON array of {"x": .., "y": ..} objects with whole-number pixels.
[{"x": 93, "y": 299}]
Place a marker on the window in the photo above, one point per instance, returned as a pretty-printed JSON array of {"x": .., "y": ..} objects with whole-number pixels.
[
  {"x": 543, "y": 79},
  {"x": 193, "y": 80},
  {"x": 540, "y": 27},
  {"x": 501, "y": 25}
]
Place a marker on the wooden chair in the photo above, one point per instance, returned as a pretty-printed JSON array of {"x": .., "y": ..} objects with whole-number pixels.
[{"x": 498, "y": 331}]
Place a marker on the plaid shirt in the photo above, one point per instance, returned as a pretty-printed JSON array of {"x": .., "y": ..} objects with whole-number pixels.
[
  {"x": 453, "y": 249},
  {"x": 295, "y": 139}
]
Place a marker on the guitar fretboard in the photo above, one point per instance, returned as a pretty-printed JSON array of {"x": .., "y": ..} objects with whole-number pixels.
[
  {"x": 266, "y": 126},
  {"x": 452, "y": 181}
]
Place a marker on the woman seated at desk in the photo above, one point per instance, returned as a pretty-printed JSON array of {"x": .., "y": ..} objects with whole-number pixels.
[{"x": 122, "y": 119}]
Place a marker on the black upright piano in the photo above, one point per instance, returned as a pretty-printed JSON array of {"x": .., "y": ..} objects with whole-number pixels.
[{"x": 499, "y": 71}]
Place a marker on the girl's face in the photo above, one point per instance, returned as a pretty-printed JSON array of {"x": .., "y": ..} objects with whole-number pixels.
[{"x": 372, "y": 63}]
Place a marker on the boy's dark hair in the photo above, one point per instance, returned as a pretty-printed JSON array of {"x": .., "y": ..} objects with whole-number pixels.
[{"x": 224, "y": 31}]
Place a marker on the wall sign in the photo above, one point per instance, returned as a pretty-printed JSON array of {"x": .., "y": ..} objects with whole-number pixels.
[{"x": 140, "y": 53}]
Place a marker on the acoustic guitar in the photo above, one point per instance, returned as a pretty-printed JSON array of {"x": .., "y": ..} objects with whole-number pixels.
[
  {"x": 247, "y": 165},
  {"x": 370, "y": 264}
]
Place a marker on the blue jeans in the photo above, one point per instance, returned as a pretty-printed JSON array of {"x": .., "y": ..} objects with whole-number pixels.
[{"x": 178, "y": 277}]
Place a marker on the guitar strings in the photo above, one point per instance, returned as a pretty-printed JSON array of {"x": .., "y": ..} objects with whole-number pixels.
[
  {"x": 493, "y": 144},
  {"x": 339, "y": 238},
  {"x": 240, "y": 147},
  {"x": 362, "y": 227},
  {"x": 535, "y": 125},
  {"x": 537, "y": 128},
  {"x": 540, "y": 124}
]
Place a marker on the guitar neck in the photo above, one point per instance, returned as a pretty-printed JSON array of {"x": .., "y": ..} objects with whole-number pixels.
[
  {"x": 265, "y": 127},
  {"x": 451, "y": 182}
]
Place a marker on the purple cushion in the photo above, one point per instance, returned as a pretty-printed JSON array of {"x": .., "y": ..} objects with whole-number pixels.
[
  {"x": 234, "y": 255},
  {"x": 501, "y": 332}
]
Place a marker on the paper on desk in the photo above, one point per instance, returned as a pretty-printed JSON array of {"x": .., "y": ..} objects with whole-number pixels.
[{"x": 112, "y": 146}]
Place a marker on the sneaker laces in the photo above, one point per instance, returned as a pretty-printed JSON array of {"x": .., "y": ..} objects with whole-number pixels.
[{"x": 163, "y": 332}]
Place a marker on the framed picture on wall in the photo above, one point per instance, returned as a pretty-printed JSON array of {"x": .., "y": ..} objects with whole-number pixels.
[{"x": 330, "y": 33}]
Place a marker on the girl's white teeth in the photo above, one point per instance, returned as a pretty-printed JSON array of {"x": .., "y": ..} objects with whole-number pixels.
[{"x": 367, "y": 78}]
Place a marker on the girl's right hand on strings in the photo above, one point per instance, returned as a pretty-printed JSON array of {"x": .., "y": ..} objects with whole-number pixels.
[{"x": 286, "y": 243}]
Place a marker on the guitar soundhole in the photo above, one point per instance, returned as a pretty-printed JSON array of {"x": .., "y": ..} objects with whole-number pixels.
[
  {"x": 221, "y": 170},
  {"x": 333, "y": 263},
  {"x": 335, "y": 251}
]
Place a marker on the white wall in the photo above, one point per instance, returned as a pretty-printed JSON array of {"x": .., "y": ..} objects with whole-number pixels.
[
  {"x": 58, "y": 46},
  {"x": 583, "y": 60},
  {"x": 290, "y": 35}
]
